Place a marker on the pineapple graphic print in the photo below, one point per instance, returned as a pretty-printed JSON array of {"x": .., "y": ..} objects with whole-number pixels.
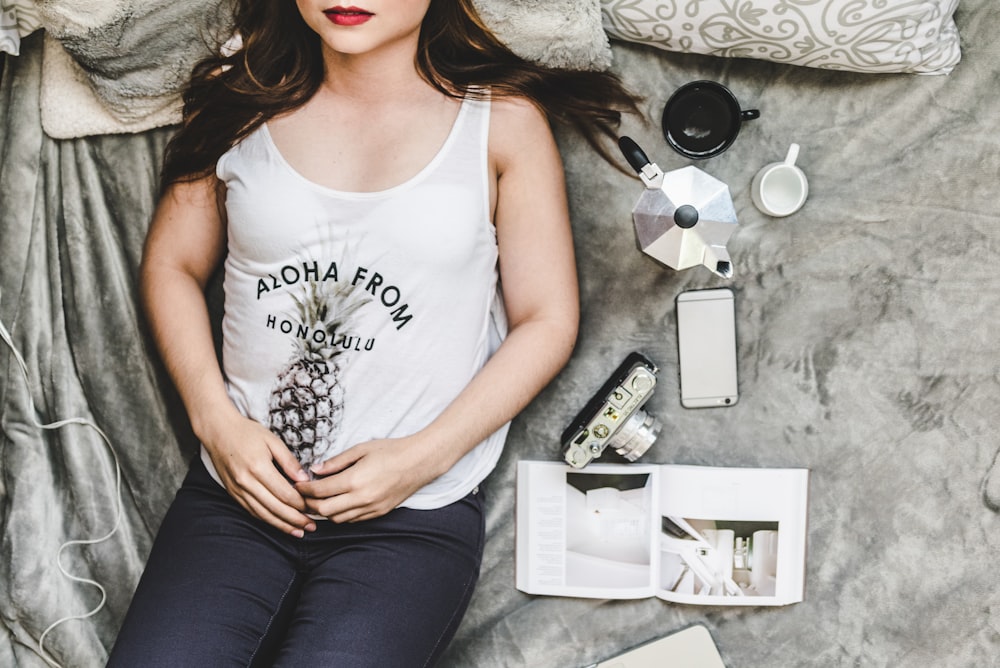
[{"x": 307, "y": 401}]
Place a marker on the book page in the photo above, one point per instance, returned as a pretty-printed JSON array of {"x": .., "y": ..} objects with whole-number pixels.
[
  {"x": 588, "y": 532},
  {"x": 732, "y": 536}
]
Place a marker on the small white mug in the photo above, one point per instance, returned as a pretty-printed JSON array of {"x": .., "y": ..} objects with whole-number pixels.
[{"x": 780, "y": 188}]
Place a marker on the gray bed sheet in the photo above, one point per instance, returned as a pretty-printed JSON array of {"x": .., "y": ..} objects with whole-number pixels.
[{"x": 868, "y": 353}]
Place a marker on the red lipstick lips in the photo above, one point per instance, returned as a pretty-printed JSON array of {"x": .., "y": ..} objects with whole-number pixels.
[{"x": 347, "y": 16}]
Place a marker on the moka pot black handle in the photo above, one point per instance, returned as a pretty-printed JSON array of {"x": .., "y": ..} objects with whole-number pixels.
[{"x": 635, "y": 155}]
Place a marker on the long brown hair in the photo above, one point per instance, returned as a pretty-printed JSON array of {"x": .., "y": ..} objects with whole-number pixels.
[{"x": 280, "y": 66}]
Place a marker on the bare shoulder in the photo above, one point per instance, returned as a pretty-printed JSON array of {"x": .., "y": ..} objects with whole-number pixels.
[
  {"x": 516, "y": 110},
  {"x": 518, "y": 129}
]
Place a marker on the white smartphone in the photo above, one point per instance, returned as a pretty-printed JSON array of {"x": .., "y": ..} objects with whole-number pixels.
[
  {"x": 706, "y": 347},
  {"x": 692, "y": 646}
]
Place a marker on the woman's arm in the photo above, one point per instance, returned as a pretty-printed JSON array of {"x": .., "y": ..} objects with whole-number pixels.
[
  {"x": 185, "y": 244},
  {"x": 538, "y": 274}
]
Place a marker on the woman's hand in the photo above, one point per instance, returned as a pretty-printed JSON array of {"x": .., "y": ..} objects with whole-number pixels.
[
  {"x": 368, "y": 480},
  {"x": 250, "y": 459}
]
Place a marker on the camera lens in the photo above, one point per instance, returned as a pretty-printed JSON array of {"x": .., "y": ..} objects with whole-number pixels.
[{"x": 636, "y": 436}]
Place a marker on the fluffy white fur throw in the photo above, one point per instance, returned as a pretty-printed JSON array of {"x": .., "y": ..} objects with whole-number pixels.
[
  {"x": 71, "y": 107},
  {"x": 557, "y": 33},
  {"x": 122, "y": 63}
]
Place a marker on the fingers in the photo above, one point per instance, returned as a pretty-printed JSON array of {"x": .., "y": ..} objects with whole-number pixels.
[
  {"x": 286, "y": 460},
  {"x": 331, "y": 497},
  {"x": 349, "y": 507},
  {"x": 364, "y": 482},
  {"x": 290, "y": 523},
  {"x": 339, "y": 462},
  {"x": 269, "y": 497},
  {"x": 248, "y": 463},
  {"x": 358, "y": 486},
  {"x": 357, "y": 516}
]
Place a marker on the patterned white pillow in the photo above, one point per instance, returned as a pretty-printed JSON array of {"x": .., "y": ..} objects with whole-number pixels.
[
  {"x": 917, "y": 36},
  {"x": 18, "y": 18}
]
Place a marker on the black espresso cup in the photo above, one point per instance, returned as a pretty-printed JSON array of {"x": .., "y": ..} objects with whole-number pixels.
[{"x": 702, "y": 118}]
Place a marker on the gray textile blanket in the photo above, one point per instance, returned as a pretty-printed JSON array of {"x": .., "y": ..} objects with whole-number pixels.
[{"x": 867, "y": 353}]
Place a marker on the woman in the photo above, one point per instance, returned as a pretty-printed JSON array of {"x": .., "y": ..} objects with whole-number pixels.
[{"x": 367, "y": 176}]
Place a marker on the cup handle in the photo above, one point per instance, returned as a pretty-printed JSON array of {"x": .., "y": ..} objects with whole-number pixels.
[
  {"x": 749, "y": 114},
  {"x": 793, "y": 154}
]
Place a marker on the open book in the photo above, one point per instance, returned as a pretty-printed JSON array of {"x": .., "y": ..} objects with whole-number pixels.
[{"x": 687, "y": 534}]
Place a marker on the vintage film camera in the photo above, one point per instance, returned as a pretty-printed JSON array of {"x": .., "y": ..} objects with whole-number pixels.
[{"x": 614, "y": 416}]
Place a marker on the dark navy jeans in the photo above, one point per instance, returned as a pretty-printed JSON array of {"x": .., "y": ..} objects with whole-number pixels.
[{"x": 222, "y": 588}]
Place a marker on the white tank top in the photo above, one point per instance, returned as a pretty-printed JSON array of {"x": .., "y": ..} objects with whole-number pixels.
[{"x": 356, "y": 316}]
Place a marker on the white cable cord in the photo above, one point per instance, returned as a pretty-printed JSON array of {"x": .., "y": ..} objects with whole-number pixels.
[{"x": 5, "y": 335}]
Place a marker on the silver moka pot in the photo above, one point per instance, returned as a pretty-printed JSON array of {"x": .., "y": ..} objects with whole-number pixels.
[{"x": 684, "y": 217}]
